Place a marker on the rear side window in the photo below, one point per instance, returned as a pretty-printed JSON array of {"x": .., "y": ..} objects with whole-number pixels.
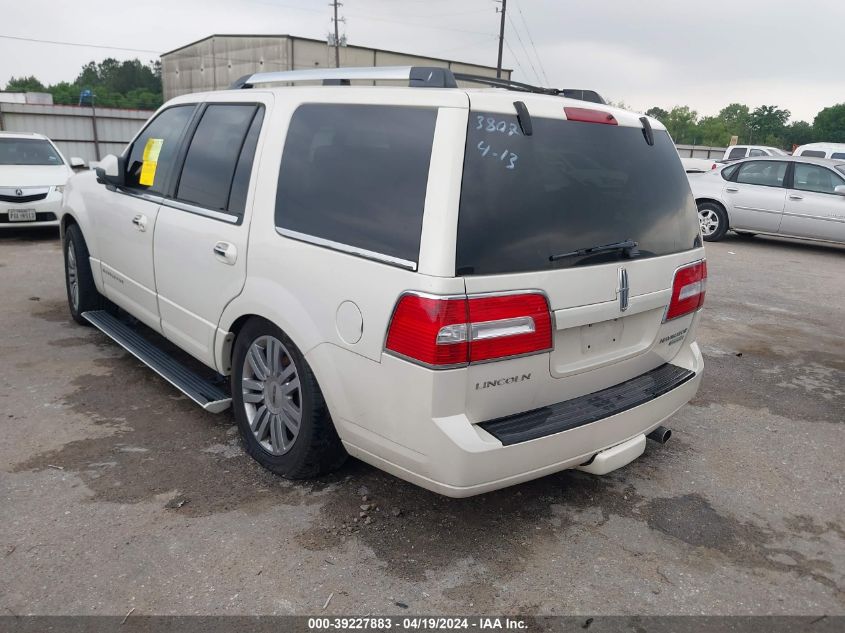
[
  {"x": 729, "y": 172},
  {"x": 838, "y": 155},
  {"x": 815, "y": 153},
  {"x": 738, "y": 152},
  {"x": 757, "y": 152},
  {"x": 757, "y": 172},
  {"x": 356, "y": 175},
  {"x": 815, "y": 178},
  {"x": 569, "y": 186},
  {"x": 214, "y": 155},
  {"x": 154, "y": 151}
]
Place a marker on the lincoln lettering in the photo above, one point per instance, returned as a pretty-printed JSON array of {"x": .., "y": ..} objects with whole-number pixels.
[{"x": 501, "y": 381}]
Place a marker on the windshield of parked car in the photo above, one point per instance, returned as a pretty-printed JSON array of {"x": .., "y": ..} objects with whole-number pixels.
[
  {"x": 27, "y": 151},
  {"x": 567, "y": 187}
]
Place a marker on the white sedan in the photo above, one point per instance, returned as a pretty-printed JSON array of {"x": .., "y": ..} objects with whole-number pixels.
[
  {"x": 774, "y": 195},
  {"x": 33, "y": 174}
]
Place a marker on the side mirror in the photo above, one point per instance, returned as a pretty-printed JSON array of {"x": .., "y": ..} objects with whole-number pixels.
[
  {"x": 839, "y": 190},
  {"x": 110, "y": 171},
  {"x": 77, "y": 163}
]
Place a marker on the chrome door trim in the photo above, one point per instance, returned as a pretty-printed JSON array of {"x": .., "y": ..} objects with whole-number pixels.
[
  {"x": 757, "y": 209},
  {"x": 814, "y": 217},
  {"x": 346, "y": 248}
]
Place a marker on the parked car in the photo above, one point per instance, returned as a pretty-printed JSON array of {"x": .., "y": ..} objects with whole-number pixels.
[
  {"x": 698, "y": 165},
  {"x": 467, "y": 288},
  {"x": 33, "y": 174},
  {"x": 735, "y": 152},
  {"x": 791, "y": 196},
  {"x": 835, "y": 151}
]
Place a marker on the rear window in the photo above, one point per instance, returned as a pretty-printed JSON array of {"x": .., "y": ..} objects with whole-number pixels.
[
  {"x": 569, "y": 186},
  {"x": 356, "y": 176},
  {"x": 738, "y": 152},
  {"x": 26, "y": 151}
]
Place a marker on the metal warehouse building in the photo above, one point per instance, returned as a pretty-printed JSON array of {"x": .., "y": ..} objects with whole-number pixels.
[{"x": 217, "y": 61}]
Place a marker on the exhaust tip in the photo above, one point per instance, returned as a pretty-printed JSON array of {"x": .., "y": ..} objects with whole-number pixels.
[{"x": 660, "y": 435}]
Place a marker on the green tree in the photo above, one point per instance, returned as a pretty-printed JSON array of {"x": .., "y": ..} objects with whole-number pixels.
[
  {"x": 681, "y": 123},
  {"x": 713, "y": 131},
  {"x": 829, "y": 124},
  {"x": 25, "y": 84},
  {"x": 657, "y": 113},
  {"x": 798, "y": 133},
  {"x": 768, "y": 123},
  {"x": 736, "y": 117}
]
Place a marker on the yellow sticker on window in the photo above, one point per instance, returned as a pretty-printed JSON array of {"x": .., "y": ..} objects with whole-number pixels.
[{"x": 148, "y": 168}]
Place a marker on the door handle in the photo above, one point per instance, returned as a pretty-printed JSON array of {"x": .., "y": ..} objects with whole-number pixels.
[
  {"x": 140, "y": 222},
  {"x": 732, "y": 189},
  {"x": 226, "y": 252},
  {"x": 795, "y": 196}
]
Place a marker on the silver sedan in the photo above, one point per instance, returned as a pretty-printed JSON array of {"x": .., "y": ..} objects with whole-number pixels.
[{"x": 775, "y": 195}]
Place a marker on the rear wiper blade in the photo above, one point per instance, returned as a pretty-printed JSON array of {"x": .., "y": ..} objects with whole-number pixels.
[{"x": 629, "y": 247}]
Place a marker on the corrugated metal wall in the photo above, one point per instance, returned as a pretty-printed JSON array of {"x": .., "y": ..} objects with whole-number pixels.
[
  {"x": 217, "y": 61},
  {"x": 71, "y": 128}
]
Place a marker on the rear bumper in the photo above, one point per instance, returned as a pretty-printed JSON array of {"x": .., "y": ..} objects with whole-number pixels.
[{"x": 456, "y": 458}]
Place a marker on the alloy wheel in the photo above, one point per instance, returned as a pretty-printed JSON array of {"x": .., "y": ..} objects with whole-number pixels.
[
  {"x": 709, "y": 221},
  {"x": 72, "y": 275},
  {"x": 272, "y": 395}
]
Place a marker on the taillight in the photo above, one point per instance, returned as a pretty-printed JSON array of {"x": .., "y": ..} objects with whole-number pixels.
[
  {"x": 442, "y": 332},
  {"x": 588, "y": 115},
  {"x": 687, "y": 290}
]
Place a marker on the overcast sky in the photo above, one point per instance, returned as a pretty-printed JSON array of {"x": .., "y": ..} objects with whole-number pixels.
[{"x": 704, "y": 54}]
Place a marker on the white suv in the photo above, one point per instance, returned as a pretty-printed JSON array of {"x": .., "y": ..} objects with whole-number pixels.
[{"x": 467, "y": 288}]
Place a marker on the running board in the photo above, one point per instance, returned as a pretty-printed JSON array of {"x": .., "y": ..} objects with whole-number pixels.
[{"x": 201, "y": 391}]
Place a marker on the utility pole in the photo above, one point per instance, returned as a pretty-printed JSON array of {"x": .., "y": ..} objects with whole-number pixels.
[
  {"x": 501, "y": 38},
  {"x": 335, "y": 4}
]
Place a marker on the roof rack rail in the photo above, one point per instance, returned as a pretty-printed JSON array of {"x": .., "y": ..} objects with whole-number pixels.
[
  {"x": 497, "y": 82},
  {"x": 416, "y": 76},
  {"x": 509, "y": 84}
]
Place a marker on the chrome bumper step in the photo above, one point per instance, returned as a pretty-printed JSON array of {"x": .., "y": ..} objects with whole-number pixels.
[{"x": 203, "y": 392}]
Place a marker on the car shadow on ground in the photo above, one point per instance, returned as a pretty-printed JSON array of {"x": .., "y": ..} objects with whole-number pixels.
[
  {"x": 29, "y": 234},
  {"x": 806, "y": 246}
]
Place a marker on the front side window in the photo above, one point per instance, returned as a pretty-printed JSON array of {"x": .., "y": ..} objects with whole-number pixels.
[
  {"x": 153, "y": 153},
  {"x": 757, "y": 152},
  {"x": 768, "y": 173},
  {"x": 838, "y": 155},
  {"x": 814, "y": 153},
  {"x": 213, "y": 156},
  {"x": 28, "y": 151},
  {"x": 356, "y": 175},
  {"x": 737, "y": 152},
  {"x": 815, "y": 178},
  {"x": 568, "y": 186}
]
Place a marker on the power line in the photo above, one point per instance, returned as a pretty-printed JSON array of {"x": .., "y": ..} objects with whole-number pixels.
[
  {"x": 515, "y": 58},
  {"x": 531, "y": 39},
  {"x": 525, "y": 50},
  {"x": 114, "y": 48}
]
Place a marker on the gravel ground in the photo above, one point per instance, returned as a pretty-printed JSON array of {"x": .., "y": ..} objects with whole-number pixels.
[{"x": 118, "y": 493}]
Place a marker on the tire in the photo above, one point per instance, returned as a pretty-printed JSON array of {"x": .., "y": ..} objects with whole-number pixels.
[
  {"x": 82, "y": 294},
  {"x": 266, "y": 410},
  {"x": 713, "y": 221}
]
